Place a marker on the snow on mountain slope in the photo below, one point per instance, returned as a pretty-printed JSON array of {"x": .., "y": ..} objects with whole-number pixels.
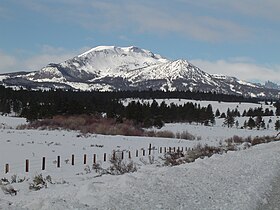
[
  {"x": 113, "y": 61},
  {"x": 109, "y": 68}
]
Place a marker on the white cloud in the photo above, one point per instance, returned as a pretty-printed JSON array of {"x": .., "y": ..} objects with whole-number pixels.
[
  {"x": 7, "y": 62},
  {"x": 240, "y": 68},
  {"x": 48, "y": 54},
  {"x": 157, "y": 19},
  {"x": 144, "y": 16},
  {"x": 268, "y": 9}
]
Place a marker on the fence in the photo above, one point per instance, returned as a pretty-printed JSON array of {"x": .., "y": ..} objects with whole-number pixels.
[{"x": 86, "y": 159}]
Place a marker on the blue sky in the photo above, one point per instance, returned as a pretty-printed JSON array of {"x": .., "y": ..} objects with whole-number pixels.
[{"x": 237, "y": 38}]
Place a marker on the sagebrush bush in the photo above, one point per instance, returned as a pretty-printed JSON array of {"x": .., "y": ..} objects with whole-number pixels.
[
  {"x": 186, "y": 135},
  {"x": 120, "y": 166},
  {"x": 165, "y": 134},
  {"x": 173, "y": 158},
  {"x": 88, "y": 124},
  {"x": 8, "y": 189},
  {"x": 40, "y": 182}
]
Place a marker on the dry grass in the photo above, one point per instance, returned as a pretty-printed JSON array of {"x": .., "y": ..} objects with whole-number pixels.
[
  {"x": 88, "y": 124},
  {"x": 237, "y": 140},
  {"x": 186, "y": 135},
  {"x": 178, "y": 157},
  {"x": 100, "y": 125}
]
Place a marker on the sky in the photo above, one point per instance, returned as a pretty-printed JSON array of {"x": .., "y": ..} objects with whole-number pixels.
[{"x": 236, "y": 38}]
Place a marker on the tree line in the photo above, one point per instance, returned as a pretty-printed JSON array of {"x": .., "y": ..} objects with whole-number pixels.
[{"x": 47, "y": 103}]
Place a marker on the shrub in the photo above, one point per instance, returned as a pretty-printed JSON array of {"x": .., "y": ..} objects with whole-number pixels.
[
  {"x": 14, "y": 178},
  {"x": 186, "y": 135},
  {"x": 165, "y": 134},
  {"x": 261, "y": 140},
  {"x": 120, "y": 166},
  {"x": 173, "y": 158},
  {"x": 151, "y": 133},
  {"x": 88, "y": 124},
  {"x": 178, "y": 157},
  {"x": 39, "y": 182},
  {"x": 8, "y": 189}
]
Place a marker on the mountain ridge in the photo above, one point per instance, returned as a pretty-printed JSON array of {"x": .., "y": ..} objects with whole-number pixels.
[{"x": 111, "y": 68}]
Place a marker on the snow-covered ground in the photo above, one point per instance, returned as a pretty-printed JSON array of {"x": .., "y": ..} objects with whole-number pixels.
[
  {"x": 222, "y": 106},
  {"x": 212, "y": 135},
  {"x": 235, "y": 180}
]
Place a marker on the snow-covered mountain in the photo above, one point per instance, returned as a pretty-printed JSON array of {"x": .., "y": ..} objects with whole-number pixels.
[
  {"x": 272, "y": 85},
  {"x": 109, "y": 68}
]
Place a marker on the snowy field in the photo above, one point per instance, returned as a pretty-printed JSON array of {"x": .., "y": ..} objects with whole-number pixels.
[
  {"x": 235, "y": 180},
  {"x": 222, "y": 106}
]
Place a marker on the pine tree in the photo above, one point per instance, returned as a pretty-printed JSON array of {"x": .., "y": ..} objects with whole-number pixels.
[
  {"x": 277, "y": 105},
  {"x": 229, "y": 120},
  {"x": 223, "y": 115},
  {"x": 244, "y": 113},
  {"x": 236, "y": 124},
  {"x": 251, "y": 123},
  {"x": 277, "y": 125},
  {"x": 217, "y": 114},
  {"x": 245, "y": 124},
  {"x": 258, "y": 121}
]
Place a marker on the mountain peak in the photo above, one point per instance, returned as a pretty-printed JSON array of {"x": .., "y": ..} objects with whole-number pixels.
[
  {"x": 98, "y": 49},
  {"x": 115, "y": 49},
  {"x": 110, "y": 68}
]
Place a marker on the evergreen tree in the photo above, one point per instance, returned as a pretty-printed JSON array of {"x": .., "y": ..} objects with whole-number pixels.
[
  {"x": 209, "y": 114},
  {"x": 258, "y": 121},
  {"x": 245, "y": 124},
  {"x": 223, "y": 115},
  {"x": 236, "y": 124},
  {"x": 229, "y": 120},
  {"x": 277, "y": 105},
  {"x": 277, "y": 125},
  {"x": 217, "y": 114},
  {"x": 263, "y": 124},
  {"x": 251, "y": 123}
]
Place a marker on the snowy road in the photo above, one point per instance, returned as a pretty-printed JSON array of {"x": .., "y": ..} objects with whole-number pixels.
[{"x": 273, "y": 200}]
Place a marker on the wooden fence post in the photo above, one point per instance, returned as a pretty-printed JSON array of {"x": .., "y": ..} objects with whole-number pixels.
[
  {"x": 160, "y": 150},
  {"x": 136, "y": 153},
  {"x": 7, "y": 168},
  {"x": 129, "y": 155},
  {"x": 58, "y": 161},
  {"x": 150, "y": 148},
  {"x": 143, "y": 152},
  {"x": 43, "y": 163},
  {"x": 73, "y": 160},
  {"x": 164, "y": 149},
  {"x": 26, "y": 165},
  {"x": 104, "y": 157},
  {"x": 94, "y": 158},
  {"x": 85, "y": 159},
  {"x": 122, "y": 155}
]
